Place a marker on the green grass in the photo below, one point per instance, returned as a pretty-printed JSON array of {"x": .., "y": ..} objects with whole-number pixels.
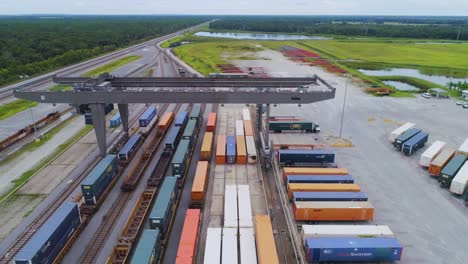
[
  {"x": 15, "y": 107},
  {"x": 61, "y": 87},
  {"x": 110, "y": 66},
  {"x": 166, "y": 43}
]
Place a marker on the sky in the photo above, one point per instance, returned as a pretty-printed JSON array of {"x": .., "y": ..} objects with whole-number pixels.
[{"x": 239, "y": 7}]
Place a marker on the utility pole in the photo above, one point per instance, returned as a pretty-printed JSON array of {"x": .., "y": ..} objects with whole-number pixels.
[{"x": 344, "y": 103}]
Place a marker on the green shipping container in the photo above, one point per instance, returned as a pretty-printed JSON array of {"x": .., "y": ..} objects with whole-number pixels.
[
  {"x": 163, "y": 208},
  {"x": 148, "y": 249},
  {"x": 190, "y": 132},
  {"x": 400, "y": 140},
  {"x": 180, "y": 159},
  {"x": 450, "y": 170}
]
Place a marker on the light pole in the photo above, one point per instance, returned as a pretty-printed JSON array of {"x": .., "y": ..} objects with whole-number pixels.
[
  {"x": 34, "y": 122},
  {"x": 344, "y": 103}
]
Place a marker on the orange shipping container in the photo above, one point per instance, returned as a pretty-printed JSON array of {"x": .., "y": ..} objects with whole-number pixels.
[
  {"x": 211, "y": 124},
  {"x": 207, "y": 146},
  {"x": 221, "y": 150},
  {"x": 313, "y": 171},
  {"x": 322, "y": 187},
  {"x": 199, "y": 183},
  {"x": 165, "y": 121},
  {"x": 248, "y": 128},
  {"x": 241, "y": 150},
  {"x": 440, "y": 161},
  {"x": 333, "y": 211},
  {"x": 266, "y": 248},
  {"x": 189, "y": 237}
]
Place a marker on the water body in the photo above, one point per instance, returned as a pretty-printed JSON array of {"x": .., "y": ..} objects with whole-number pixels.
[
  {"x": 257, "y": 36},
  {"x": 401, "y": 86},
  {"x": 442, "y": 80}
]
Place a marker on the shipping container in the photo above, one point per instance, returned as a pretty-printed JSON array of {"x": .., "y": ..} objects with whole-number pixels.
[
  {"x": 241, "y": 150},
  {"x": 322, "y": 187},
  {"x": 322, "y": 231},
  {"x": 190, "y": 132},
  {"x": 148, "y": 249},
  {"x": 248, "y": 130},
  {"x": 245, "y": 206},
  {"x": 148, "y": 119},
  {"x": 450, "y": 170},
  {"x": 199, "y": 183},
  {"x": 230, "y": 206},
  {"x": 231, "y": 149},
  {"x": 98, "y": 180},
  {"x": 166, "y": 121},
  {"x": 333, "y": 211},
  {"x": 460, "y": 182},
  {"x": 207, "y": 146},
  {"x": 302, "y": 126},
  {"x": 266, "y": 248},
  {"x": 126, "y": 153},
  {"x": 221, "y": 150},
  {"x": 50, "y": 239},
  {"x": 213, "y": 246},
  {"x": 247, "y": 250},
  {"x": 189, "y": 237},
  {"x": 353, "y": 249},
  {"x": 172, "y": 138},
  {"x": 415, "y": 143},
  {"x": 440, "y": 161},
  {"x": 89, "y": 117},
  {"x": 115, "y": 121},
  {"x": 431, "y": 153},
  {"x": 320, "y": 179},
  {"x": 329, "y": 196},
  {"x": 397, "y": 132},
  {"x": 239, "y": 128},
  {"x": 181, "y": 119},
  {"x": 211, "y": 124},
  {"x": 463, "y": 149},
  {"x": 181, "y": 159},
  {"x": 164, "y": 206},
  {"x": 229, "y": 249},
  {"x": 196, "y": 112},
  {"x": 400, "y": 140},
  {"x": 290, "y": 157},
  {"x": 313, "y": 171},
  {"x": 251, "y": 149},
  {"x": 246, "y": 114}
]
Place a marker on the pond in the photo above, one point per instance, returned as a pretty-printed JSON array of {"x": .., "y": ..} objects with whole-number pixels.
[
  {"x": 257, "y": 36},
  {"x": 439, "y": 79},
  {"x": 401, "y": 86}
]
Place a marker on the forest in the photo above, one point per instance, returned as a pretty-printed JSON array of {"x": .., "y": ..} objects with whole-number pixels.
[
  {"x": 35, "y": 45},
  {"x": 450, "y": 28}
]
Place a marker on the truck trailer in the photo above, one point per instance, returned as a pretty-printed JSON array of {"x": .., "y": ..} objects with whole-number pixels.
[
  {"x": 290, "y": 157},
  {"x": 415, "y": 143},
  {"x": 450, "y": 170},
  {"x": 431, "y": 153},
  {"x": 302, "y": 126},
  {"x": 460, "y": 182},
  {"x": 400, "y": 140},
  {"x": 397, "y": 132}
]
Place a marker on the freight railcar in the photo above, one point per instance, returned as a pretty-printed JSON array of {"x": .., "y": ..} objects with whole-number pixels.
[
  {"x": 99, "y": 179},
  {"x": 148, "y": 249},
  {"x": 126, "y": 153},
  {"x": 49, "y": 241},
  {"x": 196, "y": 112},
  {"x": 290, "y": 157},
  {"x": 181, "y": 119},
  {"x": 190, "y": 132},
  {"x": 181, "y": 159},
  {"x": 301, "y": 126},
  {"x": 172, "y": 138},
  {"x": 165, "y": 122},
  {"x": 115, "y": 121},
  {"x": 147, "y": 120},
  {"x": 164, "y": 206}
]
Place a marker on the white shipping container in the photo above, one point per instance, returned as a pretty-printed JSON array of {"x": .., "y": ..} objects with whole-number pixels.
[
  {"x": 309, "y": 231},
  {"x": 245, "y": 207},
  {"x": 431, "y": 153},
  {"x": 328, "y": 204},
  {"x": 460, "y": 182},
  {"x": 239, "y": 128},
  {"x": 248, "y": 253},
  {"x": 463, "y": 149},
  {"x": 213, "y": 246},
  {"x": 230, "y": 206},
  {"x": 395, "y": 133},
  {"x": 229, "y": 246},
  {"x": 246, "y": 114},
  {"x": 251, "y": 149}
]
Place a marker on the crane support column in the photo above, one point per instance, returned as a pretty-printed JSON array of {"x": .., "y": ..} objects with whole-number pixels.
[
  {"x": 267, "y": 127},
  {"x": 123, "y": 110},
  {"x": 99, "y": 122},
  {"x": 259, "y": 118}
]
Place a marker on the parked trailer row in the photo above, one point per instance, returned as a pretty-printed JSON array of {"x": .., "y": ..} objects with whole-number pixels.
[
  {"x": 147, "y": 120},
  {"x": 189, "y": 238},
  {"x": 291, "y": 157}
]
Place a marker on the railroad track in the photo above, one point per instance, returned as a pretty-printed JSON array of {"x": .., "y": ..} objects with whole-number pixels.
[{"x": 45, "y": 215}]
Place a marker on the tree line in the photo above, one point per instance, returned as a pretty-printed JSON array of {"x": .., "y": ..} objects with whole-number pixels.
[{"x": 35, "y": 45}]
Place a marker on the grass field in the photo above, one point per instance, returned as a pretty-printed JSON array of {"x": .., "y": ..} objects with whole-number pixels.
[
  {"x": 110, "y": 66},
  {"x": 15, "y": 107},
  {"x": 61, "y": 87}
]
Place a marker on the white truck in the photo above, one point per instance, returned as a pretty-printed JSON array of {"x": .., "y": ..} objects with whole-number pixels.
[
  {"x": 463, "y": 149},
  {"x": 460, "y": 182},
  {"x": 431, "y": 153},
  {"x": 395, "y": 133}
]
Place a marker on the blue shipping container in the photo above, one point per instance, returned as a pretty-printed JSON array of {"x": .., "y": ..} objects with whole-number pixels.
[
  {"x": 148, "y": 248},
  {"x": 320, "y": 179},
  {"x": 415, "y": 143},
  {"x": 50, "y": 239},
  {"x": 126, "y": 152},
  {"x": 401, "y": 139},
  {"x": 231, "y": 149},
  {"x": 181, "y": 118},
  {"x": 99, "y": 178},
  {"x": 147, "y": 116},
  {"x": 196, "y": 112},
  {"x": 292, "y": 156},
  {"x": 329, "y": 196},
  {"x": 172, "y": 138},
  {"x": 163, "y": 207},
  {"x": 115, "y": 121},
  {"x": 353, "y": 249}
]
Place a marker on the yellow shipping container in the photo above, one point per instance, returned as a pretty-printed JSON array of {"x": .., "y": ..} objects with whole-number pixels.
[
  {"x": 266, "y": 248},
  {"x": 322, "y": 187},
  {"x": 207, "y": 146}
]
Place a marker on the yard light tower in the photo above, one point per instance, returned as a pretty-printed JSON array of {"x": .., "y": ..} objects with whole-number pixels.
[{"x": 347, "y": 76}]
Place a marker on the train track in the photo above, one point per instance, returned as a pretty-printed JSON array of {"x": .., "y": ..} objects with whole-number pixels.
[{"x": 45, "y": 215}]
